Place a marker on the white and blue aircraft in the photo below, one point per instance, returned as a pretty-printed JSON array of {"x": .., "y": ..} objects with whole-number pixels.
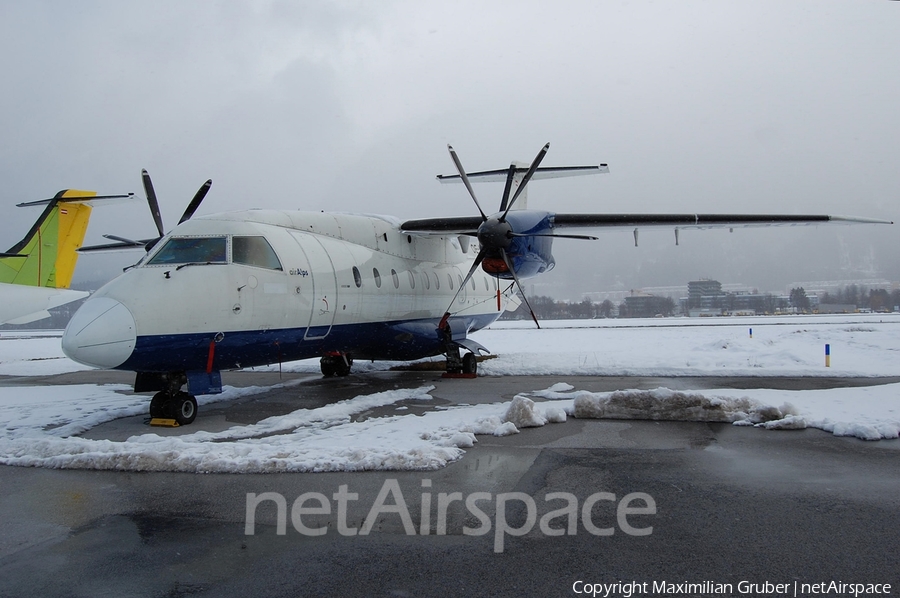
[{"x": 250, "y": 288}]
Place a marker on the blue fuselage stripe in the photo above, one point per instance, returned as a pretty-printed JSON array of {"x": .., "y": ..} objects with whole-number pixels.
[{"x": 400, "y": 340}]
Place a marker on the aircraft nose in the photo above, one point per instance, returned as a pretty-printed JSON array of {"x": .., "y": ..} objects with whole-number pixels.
[{"x": 102, "y": 334}]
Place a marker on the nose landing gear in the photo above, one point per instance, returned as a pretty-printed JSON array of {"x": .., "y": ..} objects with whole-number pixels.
[{"x": 181, "y": 407}]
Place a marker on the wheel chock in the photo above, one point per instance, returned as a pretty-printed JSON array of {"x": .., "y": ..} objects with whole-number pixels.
[{"x": 164, "y": 423}]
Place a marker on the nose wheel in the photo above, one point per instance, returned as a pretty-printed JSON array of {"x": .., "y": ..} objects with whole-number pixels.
[{"x": 182, "y": 407}]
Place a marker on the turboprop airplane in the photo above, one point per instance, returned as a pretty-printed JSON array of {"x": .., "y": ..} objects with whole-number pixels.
[
  {"x": 36, "y": 272},
  {"x": 250, "y": 288}
]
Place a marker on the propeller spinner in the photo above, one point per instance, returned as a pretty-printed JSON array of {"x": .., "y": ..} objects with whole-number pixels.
[{"x": 494, "y": 233}]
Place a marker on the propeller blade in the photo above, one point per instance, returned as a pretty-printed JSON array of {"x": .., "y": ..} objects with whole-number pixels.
[
  {"x": 195, "y": 203},
  {"x": 509, "y": 179},
  {"x": 528, "y": 175},
  {"x": 478, "y": 259},
  {"x": 519, "y": 284},
  {"x": 151, "y": 199},
  {"x": 582, "y": 237},
  {"x": 465, "y": 179}
]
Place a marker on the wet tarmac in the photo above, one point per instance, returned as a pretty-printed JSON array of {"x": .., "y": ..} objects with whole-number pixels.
[{"x": 667, "y": 501}]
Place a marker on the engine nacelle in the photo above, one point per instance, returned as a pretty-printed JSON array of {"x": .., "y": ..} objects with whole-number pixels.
[{"x": 529, "y": 248}]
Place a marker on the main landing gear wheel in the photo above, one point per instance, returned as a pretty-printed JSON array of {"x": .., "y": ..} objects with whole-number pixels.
[
  {"x": 182, "y": 407},
  {"x": 469, "y": 364},
  {"x": 337, "y": 364}
]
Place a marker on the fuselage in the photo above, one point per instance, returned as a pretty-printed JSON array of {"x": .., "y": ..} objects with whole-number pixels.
[{"x": 257, "y": 287}]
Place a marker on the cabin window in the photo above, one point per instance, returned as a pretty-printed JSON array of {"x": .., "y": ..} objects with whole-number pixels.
[
  {"x": 412, "y": 279},
  {"x": 357, "y": 278},
  {"x": 450, "y": 280},
  {"x": 396, "y": 278},
  {"x": 254, "y": 251},
  {"x": 377, "y": 277},
  {"x": 192, "y": 250},
  {"x": 486, "y": 285},
  {"x": 427, "y": 280},
  {"x": 473, "y": 283}
]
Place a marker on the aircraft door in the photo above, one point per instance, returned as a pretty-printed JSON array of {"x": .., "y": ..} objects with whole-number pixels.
[{"x": 324, "y": 286}]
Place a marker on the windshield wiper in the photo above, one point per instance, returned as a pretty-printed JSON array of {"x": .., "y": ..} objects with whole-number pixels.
[{"x": 180, "y": 266}]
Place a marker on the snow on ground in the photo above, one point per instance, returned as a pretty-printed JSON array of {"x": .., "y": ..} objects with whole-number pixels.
[
  {"x": 34, "y": 353},
  {"x": 861, "y": 345},
  {"x": 39, "y": 425}
]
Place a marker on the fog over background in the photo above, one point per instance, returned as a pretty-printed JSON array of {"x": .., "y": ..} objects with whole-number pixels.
[{"x": 696, "y": 106}]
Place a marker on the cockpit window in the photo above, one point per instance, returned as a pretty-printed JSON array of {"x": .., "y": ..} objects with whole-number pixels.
[
  {"x": 190, "y": 250},
  {"x": 254, "y": 251}
]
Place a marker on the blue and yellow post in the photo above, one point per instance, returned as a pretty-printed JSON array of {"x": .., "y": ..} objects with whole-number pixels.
[{"x": 827, "y": 356}]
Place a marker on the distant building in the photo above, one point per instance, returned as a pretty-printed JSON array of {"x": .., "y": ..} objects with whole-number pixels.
[
  {"x": 706, "y": 298},
  {"x": 704, "y": 287}
]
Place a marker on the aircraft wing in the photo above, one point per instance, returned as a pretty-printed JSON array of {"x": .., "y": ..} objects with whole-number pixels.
[
  {"x": 702, "y": 221},
  {"x": 465, "y": 225},
  {"x": 547, "y": 172},
  {"x": 469, "y": 225}
]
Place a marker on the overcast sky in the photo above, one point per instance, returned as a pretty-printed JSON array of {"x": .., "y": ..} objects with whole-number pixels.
[{"x": 787, "y": 107}]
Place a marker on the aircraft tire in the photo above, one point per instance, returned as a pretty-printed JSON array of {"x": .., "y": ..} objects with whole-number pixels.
[
  {"x": 470, "y": 364},
  {"x": 158, "y": 404},
  {"x": 342, "y": 367},
  {"x": 328, "y": 367},
  {"x": 184, "y": 406},
  {"x": 335, "y": 365}
]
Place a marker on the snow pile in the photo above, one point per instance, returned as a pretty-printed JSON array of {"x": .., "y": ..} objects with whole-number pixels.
[
  {"x": 867, "y": 412},
  {"x": 671, "y": 405},
  {"x": 789, "y": 422},
  {"x": 522, "y": 413}
]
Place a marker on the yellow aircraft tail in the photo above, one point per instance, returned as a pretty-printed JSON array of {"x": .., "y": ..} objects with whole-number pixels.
[{"x": 46, "y": 257}]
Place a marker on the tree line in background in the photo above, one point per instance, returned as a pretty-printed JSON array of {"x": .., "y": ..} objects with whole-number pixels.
[
  {"x": 548, "y": 308},
  {"x": 863, "y": 298}
]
